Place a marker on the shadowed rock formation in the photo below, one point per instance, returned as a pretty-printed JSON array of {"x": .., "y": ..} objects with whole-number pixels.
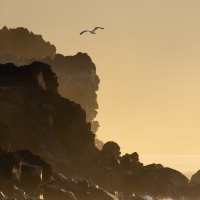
[
  {"x": 37, "y": 115},
  {"x": 112, "y": 147},
  {"x": 4, "y": 137},
  {"x": 33, "y": 115},
  {"x": 22, "y": 43},
  {"x": 99, "y": 144},
  {"x": 196, "y": 176},
  {"x": 77, "y": 76},
  {"x": 24, "y": 175},
  {"x": 78, "y": 81}
]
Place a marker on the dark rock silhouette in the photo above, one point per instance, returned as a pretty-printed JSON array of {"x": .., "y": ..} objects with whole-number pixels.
[
  {"x": 23, "y": 177},
  {"x": 29, "y": 160},
  {"x": 77, "y": 76},
  {"x": 34, "y": 116},
  {"x": 4, "y": 137},
  {"x": 56, "y": 134},
  {"x": 10, "y": 167},
  {"x": 156, "y": 180},
  {"x": 196, "y": 176},
  {"x": 112, "y": 147},
  {"x": 78, "y": 81},
  {"x": 38, "y": 115},
  {"x": 20, "y": 42}
]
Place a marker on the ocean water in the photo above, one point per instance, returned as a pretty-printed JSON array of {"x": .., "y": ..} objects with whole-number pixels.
[{"x": 187, "y": 164}]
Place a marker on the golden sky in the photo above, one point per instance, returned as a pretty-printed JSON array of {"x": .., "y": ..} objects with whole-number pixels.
[{"x": 147, "y": 58}]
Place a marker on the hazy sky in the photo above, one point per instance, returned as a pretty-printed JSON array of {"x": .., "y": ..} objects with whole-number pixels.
[{"x": 147, "y": 58}]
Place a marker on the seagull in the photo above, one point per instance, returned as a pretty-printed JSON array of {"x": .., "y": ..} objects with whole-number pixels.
[{"x": 92, "y": 32}]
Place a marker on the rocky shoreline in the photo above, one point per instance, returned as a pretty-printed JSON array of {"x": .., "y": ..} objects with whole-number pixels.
[
  {"x": 35, "y": 117},
  {"x": 48, "y": 142}
]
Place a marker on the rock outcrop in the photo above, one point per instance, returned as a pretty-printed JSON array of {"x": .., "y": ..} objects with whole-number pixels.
[
  {"x": 24, "y": 175},
  {"x": 78, "y": 81},
  {"x": 77, "y": 76},
  {"x": 22, "y": 43},
  {"x": 56, "y": 136},
  {"x": 37, "y": 116},
  {"x": 34, "y": 116}
]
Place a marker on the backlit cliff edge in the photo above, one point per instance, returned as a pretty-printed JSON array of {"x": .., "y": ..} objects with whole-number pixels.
[{"x": 48, "y": 105}]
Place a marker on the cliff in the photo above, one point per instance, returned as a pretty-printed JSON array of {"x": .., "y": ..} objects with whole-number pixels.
[
  {"x": 78, "y": 80},
  {"x": 22, "y": 43},
  {"x": 35, "y": 117},
  {"x": 76, "y": 74},
  {"x": 38, "y": 116}
]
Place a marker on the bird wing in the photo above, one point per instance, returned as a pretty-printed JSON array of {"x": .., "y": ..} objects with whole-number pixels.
[
  {"x": 84, "y": 32},
  {"x": 97, "y": 28}
]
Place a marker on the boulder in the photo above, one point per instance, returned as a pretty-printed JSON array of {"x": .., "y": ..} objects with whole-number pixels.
[
  {"x": 20, "y": 42},
  {"x": 134, "y": 157},
  {"x": 31, "y": 177},
  {"x": 76, "y": 74},
  {"x": 7, "y": 187},
  {"x": 108, "y": 159},
  {"x": 112, "y": 147},
  {"x": 126, "y": 162},
  {"x": 35, "y": 167}
]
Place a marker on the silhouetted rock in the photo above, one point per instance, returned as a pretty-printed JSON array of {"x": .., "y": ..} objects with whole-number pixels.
[
  {"x": 32, "y": 160},
  {"x": 78, "y": 82},
  {"x": 4, "y": 138},
  {"x": 196, "y": 176},
  {"x": 48, "y": 119},
  {"x": 112, "y": 147},
  {"x": 191, "y": 191},
  {"x": 57, "y": 193},
  {"x": 157, "y": 181},
  {"x": 36, "y": 117},
  {"x": 76, "y": 74},
  {"x": 10, "y": 167},
  {"x": 20, "y": 42},
  {"x": 7, "y": 187},
  {"x": 33, "y": 115},
  {"x": 136, "y": 198},
  {"x": 134, "y": 157},
  {"x": 100, "y": 194},
  {"x": 108, "y": 159},
  {"x": 126, "y": 162},
  {"x": 31, "y": 174}
]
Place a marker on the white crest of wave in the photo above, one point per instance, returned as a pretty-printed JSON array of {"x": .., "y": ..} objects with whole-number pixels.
[{"x": 147, "y": 197}]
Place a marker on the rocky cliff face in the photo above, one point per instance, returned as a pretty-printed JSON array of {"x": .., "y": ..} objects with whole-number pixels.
[
  {"x": 37, "y": 115},
  {"x": 77, "y": 76},
  {"x": 33, "y": 115},
  {"x": 78, "y": 80}
]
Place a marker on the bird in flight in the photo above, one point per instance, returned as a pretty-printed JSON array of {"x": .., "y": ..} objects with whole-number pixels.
[{"x": 92, "y": 32}]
